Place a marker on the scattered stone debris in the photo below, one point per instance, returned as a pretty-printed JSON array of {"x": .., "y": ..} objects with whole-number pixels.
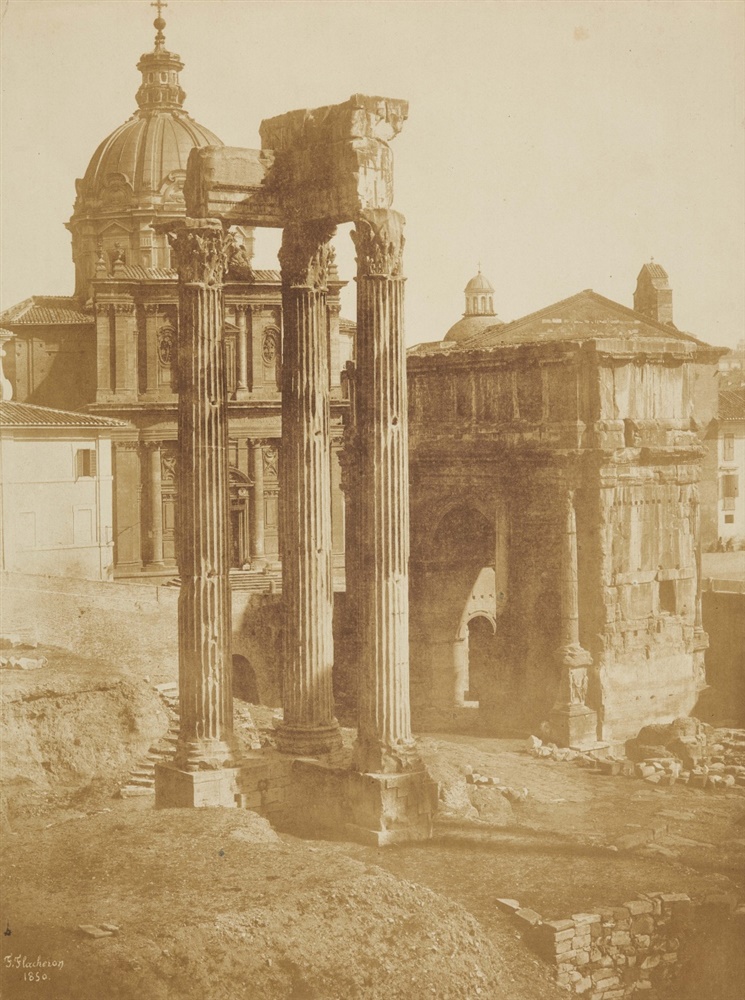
[
  {"x": 22, "y": 662},
  {"x": 513, "y": 794},
  {"x": 685, "y": 751},
  {"x": 100, "y": 931}
]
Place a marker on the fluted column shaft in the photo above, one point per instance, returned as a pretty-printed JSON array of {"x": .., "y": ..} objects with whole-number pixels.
[
  {"x": 382, "y": 588},
  {"x": 309, "y": 726},
  {"x": 204, "y": 609}
]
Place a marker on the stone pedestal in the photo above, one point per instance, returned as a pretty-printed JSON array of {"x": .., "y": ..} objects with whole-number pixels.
[
  {"x": 309, "y": 726},
  {"x": 373, "y": 809},
  {"x": 381, "y": 587},
  {"x": 573, "y": 723},
  {"x": 206, "y": 744},
  {"x": 178, "y": 789}
]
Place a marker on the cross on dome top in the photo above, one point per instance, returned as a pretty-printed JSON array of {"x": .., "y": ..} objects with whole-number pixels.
[{"x": 159, "y": 24}]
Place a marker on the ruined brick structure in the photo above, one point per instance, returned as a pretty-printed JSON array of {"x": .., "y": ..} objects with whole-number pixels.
[{"x": 555, "y": 466}]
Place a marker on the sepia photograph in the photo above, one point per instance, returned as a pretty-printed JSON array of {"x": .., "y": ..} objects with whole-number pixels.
[{"x": 372, "y": 499}]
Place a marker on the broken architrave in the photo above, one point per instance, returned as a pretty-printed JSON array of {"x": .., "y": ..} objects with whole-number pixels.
[{"x": 327, "y": 164}]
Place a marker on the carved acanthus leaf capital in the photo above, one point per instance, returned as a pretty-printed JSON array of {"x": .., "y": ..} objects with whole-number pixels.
[
  {"x": 378, "y": 237},
  {"x": 200, "y": 252},
  {"x": 306, "y": 254}
]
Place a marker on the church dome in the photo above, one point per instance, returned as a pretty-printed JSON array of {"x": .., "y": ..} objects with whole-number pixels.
[
  {"x": 479, "y": 284},
  {"x": 146, "y": 155},
  {"x": 479, "y": 314},
  {"x": 136, "y": 176}
]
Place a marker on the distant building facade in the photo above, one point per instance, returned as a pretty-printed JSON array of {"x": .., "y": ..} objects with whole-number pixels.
[
  {"x": 56, "y": 509},
  {"x": 111, "y": 348}
]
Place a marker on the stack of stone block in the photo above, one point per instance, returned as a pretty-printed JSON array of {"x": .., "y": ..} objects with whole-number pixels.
[{"x": 614, "y": 953}]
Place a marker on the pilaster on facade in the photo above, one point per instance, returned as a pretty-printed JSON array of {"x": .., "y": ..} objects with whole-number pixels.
[
  {"x": 309, "y": 726},
  {"x": 573, "y": 722},
  {"x": 154, "y": 494}
]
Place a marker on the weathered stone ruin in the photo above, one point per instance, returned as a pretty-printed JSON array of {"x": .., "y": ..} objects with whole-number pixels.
[{"x": 317, "y": 169}]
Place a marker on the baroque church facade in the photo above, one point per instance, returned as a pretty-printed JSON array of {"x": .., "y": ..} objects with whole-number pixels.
[{"x": 111, "y": 348}]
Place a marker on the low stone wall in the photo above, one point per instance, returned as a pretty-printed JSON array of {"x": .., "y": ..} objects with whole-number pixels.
[
  {"x": 134, "y": 624},
  {"x": 614, "y": 953}
]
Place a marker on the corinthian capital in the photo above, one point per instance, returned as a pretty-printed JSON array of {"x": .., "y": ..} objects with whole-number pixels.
[
  {"x": 379, "y": 240},
  {"x": 306, "y": 254},
  {"x": 200, "y": 251}
]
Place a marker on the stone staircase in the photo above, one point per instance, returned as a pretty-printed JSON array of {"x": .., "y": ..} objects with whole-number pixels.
[{"x": 142, "y": 779}]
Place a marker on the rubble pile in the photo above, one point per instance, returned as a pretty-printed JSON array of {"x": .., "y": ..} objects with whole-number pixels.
[{"x": 685, "y": 751}]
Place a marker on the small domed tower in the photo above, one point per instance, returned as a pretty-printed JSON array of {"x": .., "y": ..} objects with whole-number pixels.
[
  {"x": 479, "y": 312},
  {"x": 136, "y": 177},
  {"x": 479, "y": 297}
]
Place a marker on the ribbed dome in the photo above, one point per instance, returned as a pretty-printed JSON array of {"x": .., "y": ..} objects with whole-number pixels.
[
  {"x": 470, "y": 326},
  {"x": 145, "y": 150},
  {"x": 136, "y": 176}
]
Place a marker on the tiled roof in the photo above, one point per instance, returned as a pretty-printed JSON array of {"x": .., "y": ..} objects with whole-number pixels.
[
  {"x": 655, "y": 270},
  {"x": 136, "y": 272},
  {"x": 14, "y": 414},
  {"x": 582, "y": 317},
  {"x": 732, "y": 404},
  {"x": 269, "y": 276},
  {"x": 46, "y": 310},
  {"x": 347, "y": 325}
]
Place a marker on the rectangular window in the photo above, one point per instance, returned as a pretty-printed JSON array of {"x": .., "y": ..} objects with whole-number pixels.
[
  {"x": 85, "y": 463},
  {"x": 728, "y": 451},
  {"x": 729, "y": 518}
]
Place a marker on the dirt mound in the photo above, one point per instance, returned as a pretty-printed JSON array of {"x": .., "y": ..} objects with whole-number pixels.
[
  {"x": 69, "y": 729},
  {"x": 210, "y": 904}
]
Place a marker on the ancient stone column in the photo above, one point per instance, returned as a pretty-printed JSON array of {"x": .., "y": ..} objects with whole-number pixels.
[
  {"x": 155, "y": 498},
  {"x": 309, "y": 727},
  {"x": 204, "y": 609},
  {"x": 258, "y": 555},
  {"x": 381, "y": 589},
  {"x": 572, "y": 722}
]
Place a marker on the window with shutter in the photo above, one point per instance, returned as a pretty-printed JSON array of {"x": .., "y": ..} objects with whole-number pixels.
[{"x": 85, "y": 463}]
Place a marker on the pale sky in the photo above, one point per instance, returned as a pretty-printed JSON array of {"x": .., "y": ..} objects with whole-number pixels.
[{"x": 561, "y": 144}]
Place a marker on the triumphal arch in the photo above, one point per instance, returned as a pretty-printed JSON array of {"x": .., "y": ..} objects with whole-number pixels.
[{"x": 316, "y": 169}]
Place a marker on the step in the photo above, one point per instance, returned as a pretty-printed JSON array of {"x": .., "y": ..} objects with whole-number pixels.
[{"x": 129, "y": 791}]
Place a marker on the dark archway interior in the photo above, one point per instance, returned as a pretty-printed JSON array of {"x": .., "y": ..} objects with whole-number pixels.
[
  {"x": 244, "y": 680},
  {"x": 481, "y": 654}
]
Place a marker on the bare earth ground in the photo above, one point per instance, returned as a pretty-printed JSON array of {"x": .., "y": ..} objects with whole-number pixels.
[{"x": 214, "y": 905}]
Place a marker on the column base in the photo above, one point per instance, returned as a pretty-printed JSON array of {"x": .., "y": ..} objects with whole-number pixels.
[
  {"x": 370, "y": 756},
  {"x": 574, "y": 726},
  {"x": 178, "y": 789},
  {"x": 308, "y": 741},
  {"x": 241, "y": 395}
]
